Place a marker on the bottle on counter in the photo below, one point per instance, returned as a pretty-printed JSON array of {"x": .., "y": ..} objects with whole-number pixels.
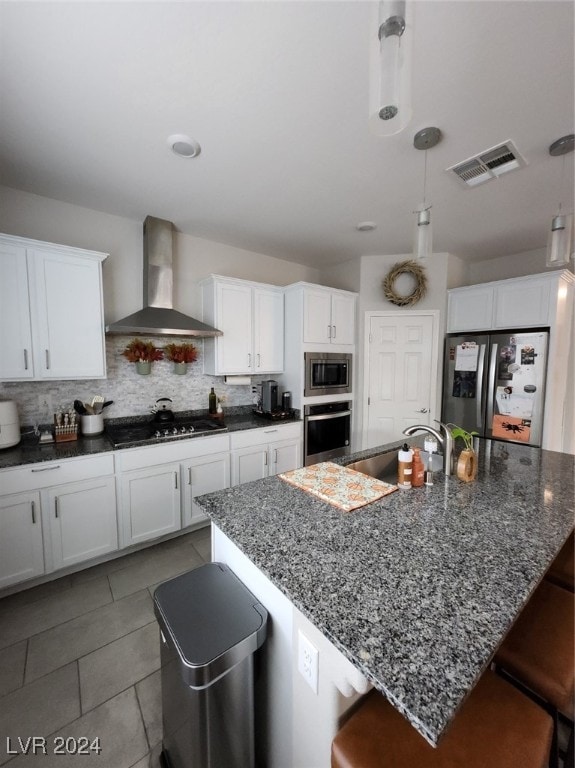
[
  {"x": 404, "y": 467},
  {"x": 212, "y": 402},
  {"x": 418, "y": 470},
  {"x": 428, "y": 475}
]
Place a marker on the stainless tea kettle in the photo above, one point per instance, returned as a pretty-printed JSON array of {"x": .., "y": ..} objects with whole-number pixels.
[{"x": 163, "y": 413}]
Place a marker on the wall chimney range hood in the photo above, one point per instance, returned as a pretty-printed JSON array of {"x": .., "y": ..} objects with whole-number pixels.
[{"x": 158, "y": 317}]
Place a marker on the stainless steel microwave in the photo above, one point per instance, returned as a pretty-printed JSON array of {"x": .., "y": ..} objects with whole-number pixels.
[{"x": 327, "y": 373}]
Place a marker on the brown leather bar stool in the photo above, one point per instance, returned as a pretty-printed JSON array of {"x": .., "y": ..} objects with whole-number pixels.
[
  {"x": 496, "y": 727},
  {"x": 538, "y": 653},
  {"x": 562, "y": 569}
]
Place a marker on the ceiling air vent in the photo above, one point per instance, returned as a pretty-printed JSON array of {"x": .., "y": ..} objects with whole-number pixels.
[{"x": 488, "y": 165}]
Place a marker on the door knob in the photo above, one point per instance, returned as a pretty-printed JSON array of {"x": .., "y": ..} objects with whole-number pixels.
[{"x": 423, "y": 410}]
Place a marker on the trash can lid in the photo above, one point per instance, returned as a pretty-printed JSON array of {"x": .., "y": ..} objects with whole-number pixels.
[{"x": 212, "y": 619}]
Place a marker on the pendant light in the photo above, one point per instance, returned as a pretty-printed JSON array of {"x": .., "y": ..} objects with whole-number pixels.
[
  {"x": 560, "y": 240},
  {"x": 390, "y": 66},
  {"x": 423, "y": 245}
]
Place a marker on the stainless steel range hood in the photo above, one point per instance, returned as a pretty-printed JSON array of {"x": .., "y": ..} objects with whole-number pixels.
[{"x": 158, "y": 317}]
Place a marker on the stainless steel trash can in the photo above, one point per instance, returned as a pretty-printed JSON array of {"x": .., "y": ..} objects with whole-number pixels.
[{"x": 210, "y": 626}]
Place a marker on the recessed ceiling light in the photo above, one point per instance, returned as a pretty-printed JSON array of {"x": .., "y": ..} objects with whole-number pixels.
[
  {"x": 366, "y": 226},
  {"x": 183, "y": 145}
]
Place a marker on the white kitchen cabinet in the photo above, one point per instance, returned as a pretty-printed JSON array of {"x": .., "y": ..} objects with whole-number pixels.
[
  {"x": 470, "y": 308},
  {"x": 250, "y": 316},
  {"x": 151, "y": 503},
  {"x": 21, "y": 545},
  {"x": 328, "y": 316},
  {"x": 54, "y": 514},
  {"x": 260, "y": 453},
  {"x": 52, "y": 319},
  {"x": 158, "y": 484},
  {"x": 204, "y": 474},
  {"x": 83, "y": 520},
  {"x": 519, "y": 302}
]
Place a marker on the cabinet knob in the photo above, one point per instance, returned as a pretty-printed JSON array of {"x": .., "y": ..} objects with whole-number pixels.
[
  {"x": 33, "y": 508},
  {"x": 47, "y": 359},
  {"x": 334, "y": 330},
  {"x": 25, "y": 359}
]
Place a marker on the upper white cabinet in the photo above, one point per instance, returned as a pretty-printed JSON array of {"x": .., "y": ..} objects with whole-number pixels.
[
  {"x": 328, "y": 316},
  {"x": 520, "y": 302},
  {"x": 51, "y": 311},
  {"x": 251, "y": 318}
]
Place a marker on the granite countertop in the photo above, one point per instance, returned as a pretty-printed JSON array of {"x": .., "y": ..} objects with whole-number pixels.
[
  {"x": 31, "y": 451},
  {"x": 418, "y": 589}
]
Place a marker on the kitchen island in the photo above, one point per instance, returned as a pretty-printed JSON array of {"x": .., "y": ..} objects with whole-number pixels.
[{"x": 414, "y": 592}]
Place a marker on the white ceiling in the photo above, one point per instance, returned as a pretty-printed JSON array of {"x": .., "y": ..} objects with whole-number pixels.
[{"x": 277, "y": 95}]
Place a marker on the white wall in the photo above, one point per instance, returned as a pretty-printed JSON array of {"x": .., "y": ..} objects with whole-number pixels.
[
  {"x": 42, "y": 218},
  {"x": 511, "y": 265}
]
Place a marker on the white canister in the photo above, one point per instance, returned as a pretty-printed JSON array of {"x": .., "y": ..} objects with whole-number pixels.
[
  {"x": 9, "y": 424},
  {"x": 92, "y": 424}
]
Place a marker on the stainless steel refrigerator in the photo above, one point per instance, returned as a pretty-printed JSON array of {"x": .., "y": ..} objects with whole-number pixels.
[{"x": 494, "y": 384}]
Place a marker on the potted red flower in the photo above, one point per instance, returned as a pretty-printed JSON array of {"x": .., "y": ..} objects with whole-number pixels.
[
  {"x": 180, "y": 355},
  {"x": 143, "y": 354}
]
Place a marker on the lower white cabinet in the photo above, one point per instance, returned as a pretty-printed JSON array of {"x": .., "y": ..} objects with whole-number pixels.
[
  {"x": 150, "y": 502},
  {"x": 21, "y": 546},
  {"x": 82, "y": 521},
  {"x": 158, "y": 485},
  {"x": 204, "y": 474},
  {"x": 55, "y": 514},
  {"x": 259, "y": 453}
]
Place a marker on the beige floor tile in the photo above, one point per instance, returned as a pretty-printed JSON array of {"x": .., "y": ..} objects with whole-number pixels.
[
  {"x": 78, "y": 637},
  {"x": 149, "y": 692},
  {"x": 40, "y": 708},
  {"x": 26, "y": 620},
  {"x": 118, "y": 665},
  {"x": 204, "y": 549},
  {"x": 118, "y": 725},
  {"x": 12, "y": 662},
  {"x": 159, "y": 567}
]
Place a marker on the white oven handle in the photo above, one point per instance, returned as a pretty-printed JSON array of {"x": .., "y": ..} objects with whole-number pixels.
[{"x": 323, "y": 416}]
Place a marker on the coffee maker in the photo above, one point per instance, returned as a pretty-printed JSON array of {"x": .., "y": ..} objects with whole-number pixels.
[{"x": 269, "y": 398}]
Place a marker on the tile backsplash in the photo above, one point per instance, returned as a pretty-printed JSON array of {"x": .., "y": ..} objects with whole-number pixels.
[{"x": 133, "y": 394}]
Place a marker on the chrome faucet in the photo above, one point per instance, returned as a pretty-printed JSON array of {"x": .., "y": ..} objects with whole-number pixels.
[{"x": 445, "y": 440}]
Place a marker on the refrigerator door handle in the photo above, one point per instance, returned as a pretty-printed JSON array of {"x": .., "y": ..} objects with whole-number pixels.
[
  {"x": 491, "y": 388},
  {"x": 480, "y": 402}
]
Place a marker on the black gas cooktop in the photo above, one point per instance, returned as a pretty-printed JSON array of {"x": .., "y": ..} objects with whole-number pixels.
[{"x": 135, "y": 433}]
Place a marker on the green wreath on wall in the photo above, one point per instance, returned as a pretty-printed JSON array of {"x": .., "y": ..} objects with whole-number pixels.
[{"x": 405, "y": 268}]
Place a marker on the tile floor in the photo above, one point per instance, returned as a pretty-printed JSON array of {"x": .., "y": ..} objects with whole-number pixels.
[{"x": 80, "y": 657}]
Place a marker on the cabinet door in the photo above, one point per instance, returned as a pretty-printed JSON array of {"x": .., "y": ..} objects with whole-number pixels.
[
  {"x": 66, "y": 301},
  {"x": 15, "y": 331},
  {"x": 234, "y": 319},
  {"x": 150, "y": 502},
  {"x": 249, "y": 464},
  {"x": 83, "y": 521},
  {"x": 342, "y": 319},
  {"x": 470, "y": 309},
  {"x": 21, "y": 548},
  {"x": 203, "y": 475},
  {"x": 285, "y": 455},
  {"x": 316, "y": 316},
  {"x": 522, "y": 304},
  {"x": 268, "y": 331}
]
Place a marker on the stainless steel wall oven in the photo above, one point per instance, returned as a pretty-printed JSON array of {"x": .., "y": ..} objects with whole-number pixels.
[
  {"x": 327, "y": 429},
  {"x": 327, "y": 373}
]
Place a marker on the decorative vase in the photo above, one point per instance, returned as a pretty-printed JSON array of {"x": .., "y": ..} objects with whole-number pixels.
[
  {"x": 180, "y": 368},
  {"x": 467, "y": 466},
  {"x": 143, "y": 367}
]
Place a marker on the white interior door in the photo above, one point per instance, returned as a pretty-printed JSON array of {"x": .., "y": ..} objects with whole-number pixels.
[{"x": 401, "y": 374}]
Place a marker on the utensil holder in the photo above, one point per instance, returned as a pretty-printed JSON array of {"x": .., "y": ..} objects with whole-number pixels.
[{"x": 92, "y": 424}]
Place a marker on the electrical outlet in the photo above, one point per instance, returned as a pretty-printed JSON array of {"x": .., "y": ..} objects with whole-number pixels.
[
  {"x": 308, "y": 661},
  {"x": 45, "y": 403}
]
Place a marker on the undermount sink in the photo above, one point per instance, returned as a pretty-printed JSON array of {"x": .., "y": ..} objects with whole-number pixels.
[{"x": 383, "y": 466}]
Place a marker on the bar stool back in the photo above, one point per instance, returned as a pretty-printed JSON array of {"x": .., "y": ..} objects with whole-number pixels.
[
  {"x": 496, "y": 727},
  {"x": 562, "y": 569},
  {"x": 538, "y": 653}
]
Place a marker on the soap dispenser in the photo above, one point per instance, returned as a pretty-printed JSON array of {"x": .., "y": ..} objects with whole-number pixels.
[{"x": 404, "y": 467}]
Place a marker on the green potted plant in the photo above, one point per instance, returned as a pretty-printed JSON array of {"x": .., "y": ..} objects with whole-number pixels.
[
  {"x": 143, "y": 354},
  {"x": 180, "y": 355},
  {"x": 467, "y": 461}
]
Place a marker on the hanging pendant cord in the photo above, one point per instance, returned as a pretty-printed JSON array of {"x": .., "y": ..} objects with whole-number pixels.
[
  {"x": 561, "y": 185},
  {"x": 424, "y": 178}
]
